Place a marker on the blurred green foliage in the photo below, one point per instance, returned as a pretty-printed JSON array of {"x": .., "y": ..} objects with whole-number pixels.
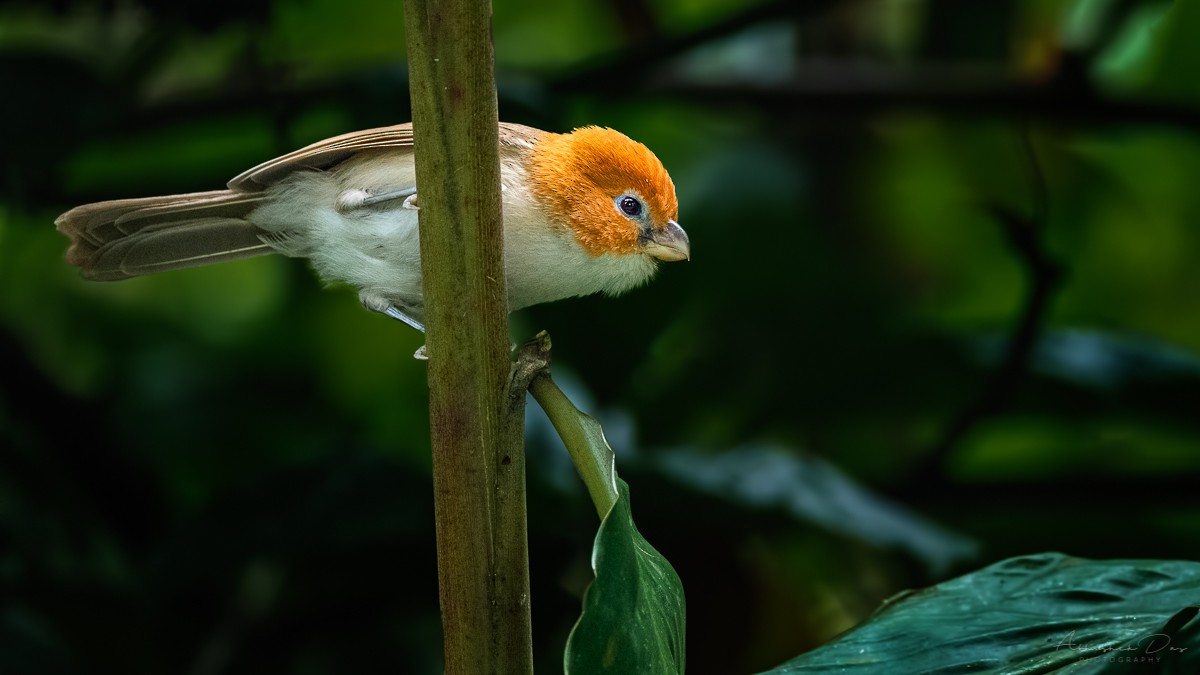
[{"x": 225, "y": 470}]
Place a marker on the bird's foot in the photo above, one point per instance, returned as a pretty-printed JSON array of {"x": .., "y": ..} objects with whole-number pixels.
[{"x": 387, "y": 307}]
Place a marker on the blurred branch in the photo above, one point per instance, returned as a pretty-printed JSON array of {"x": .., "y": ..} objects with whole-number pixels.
[
  {"x": 834, "y": 92},
  {"x": 839, "y": 91},
  {"x": 1024, "y": 237}
]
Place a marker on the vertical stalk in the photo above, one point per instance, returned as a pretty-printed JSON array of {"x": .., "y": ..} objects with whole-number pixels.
[{"x": 479, "y": 500}]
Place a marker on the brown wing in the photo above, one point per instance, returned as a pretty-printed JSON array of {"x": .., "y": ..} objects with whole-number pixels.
[
  {"x": 321, "y": 155},
  {"x": 326, "y": 153}
]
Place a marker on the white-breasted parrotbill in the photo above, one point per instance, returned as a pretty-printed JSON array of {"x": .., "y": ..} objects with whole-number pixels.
[{"x": 584, "y": 212}]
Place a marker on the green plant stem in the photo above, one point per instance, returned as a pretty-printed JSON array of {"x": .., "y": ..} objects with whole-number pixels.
[
  {"x": 478, "y": 478},
  {"x": 593, "y": 458}
]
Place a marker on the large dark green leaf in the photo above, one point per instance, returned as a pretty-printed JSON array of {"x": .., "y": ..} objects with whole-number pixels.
[
  {"x": 633, "y": 613},
  {"x": 1034, "y": 614}
]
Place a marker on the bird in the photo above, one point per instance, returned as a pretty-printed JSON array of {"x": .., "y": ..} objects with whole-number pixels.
[{"x": 584, "y": 212}]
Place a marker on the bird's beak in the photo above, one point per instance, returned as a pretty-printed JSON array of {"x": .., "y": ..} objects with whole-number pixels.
[{"x": 669, "y": 243}]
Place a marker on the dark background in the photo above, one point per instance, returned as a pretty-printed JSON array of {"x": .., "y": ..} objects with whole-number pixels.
[{"x": 942, "y": 309}]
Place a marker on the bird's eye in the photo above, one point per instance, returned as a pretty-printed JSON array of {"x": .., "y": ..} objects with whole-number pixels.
[{"x": 630, "y": 206}]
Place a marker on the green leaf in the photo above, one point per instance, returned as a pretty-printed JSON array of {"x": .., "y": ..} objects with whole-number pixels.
[
  {"x": 1034, "y": 614},
  {"x": 634, "y": 611}
]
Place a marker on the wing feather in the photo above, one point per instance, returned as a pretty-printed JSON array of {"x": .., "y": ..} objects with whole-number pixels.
[{"x": 321, "y": 155}]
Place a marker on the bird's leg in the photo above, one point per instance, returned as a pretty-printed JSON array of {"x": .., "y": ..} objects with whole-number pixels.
[
  {"x": 399, "y": 315},
  {"x": 378, "y": 303},
  {"x": 388, "y": 196},
  {"x": 358, "y": 199},
  {"x": 397, "y": 311},
  {"x": 389, "y": 307}
]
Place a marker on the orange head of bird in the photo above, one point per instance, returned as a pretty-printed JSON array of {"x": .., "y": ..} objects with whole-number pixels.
[{"x": 611, "y": 191}]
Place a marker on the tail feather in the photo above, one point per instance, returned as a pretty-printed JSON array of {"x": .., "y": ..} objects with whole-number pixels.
[
  {"x": 82, "y": 218},
  {"x": 132, "y": 237},
  {"x": 222, "y": 204}
]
